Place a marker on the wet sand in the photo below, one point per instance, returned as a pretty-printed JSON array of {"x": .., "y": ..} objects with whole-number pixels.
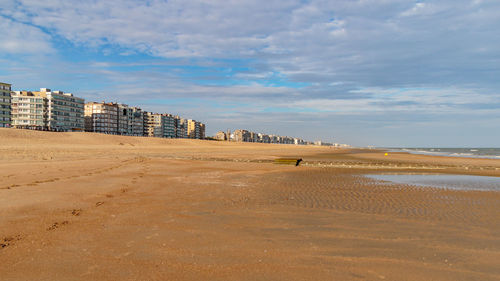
[{"x": 81, "y": 206}]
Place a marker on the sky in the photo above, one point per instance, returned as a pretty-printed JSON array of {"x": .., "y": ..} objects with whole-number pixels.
[{"x": 389, "y": 73}]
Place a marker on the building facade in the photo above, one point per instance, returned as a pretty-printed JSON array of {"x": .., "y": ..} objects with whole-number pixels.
[
  {"x": 202, "y": 131},
  {"x": 48, "y": 110},
  {"x": 180, "y": 127},
  {"x": 5, "y": 105},
  {"x": 168, "y": 123},
  {"x": 145, "y": 123},
  {"x": 64, "y": 111},
  {"x": 136, "y": 126},
  {"x": 151, "y": 124},
  {"x": 241, "y": 136},
  {"x": 101, "y": 117},
  {"x": 193, "y": 129},
  {"x": 29, "y": 110},
  {"x": 123, "y": 116},
  {"x": 221, "y": 136}
]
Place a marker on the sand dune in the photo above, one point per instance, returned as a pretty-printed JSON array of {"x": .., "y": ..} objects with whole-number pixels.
[{"x": 82, "y": 206}]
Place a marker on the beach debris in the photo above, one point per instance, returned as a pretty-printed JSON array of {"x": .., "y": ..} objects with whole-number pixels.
[{"x": 288, "y": 161}]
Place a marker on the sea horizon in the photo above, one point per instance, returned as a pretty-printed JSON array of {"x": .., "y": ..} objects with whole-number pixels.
[{"x": 467, "y": 152}]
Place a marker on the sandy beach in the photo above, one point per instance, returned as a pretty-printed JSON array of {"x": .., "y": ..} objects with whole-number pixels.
[{"x": 84, "y": 206}]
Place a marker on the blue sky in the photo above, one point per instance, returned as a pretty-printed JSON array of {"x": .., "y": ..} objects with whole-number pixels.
[{"x": 366, "y": 72}]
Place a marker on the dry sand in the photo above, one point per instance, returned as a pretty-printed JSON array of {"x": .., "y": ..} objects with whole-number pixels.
[{"x": 82, "y": 206}]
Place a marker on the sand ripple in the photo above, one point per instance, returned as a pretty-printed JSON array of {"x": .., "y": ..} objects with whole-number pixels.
[{"x": 334, "y": 189}]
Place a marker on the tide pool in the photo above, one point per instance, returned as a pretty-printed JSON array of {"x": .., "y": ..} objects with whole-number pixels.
[{"x": 458, "y": 182}]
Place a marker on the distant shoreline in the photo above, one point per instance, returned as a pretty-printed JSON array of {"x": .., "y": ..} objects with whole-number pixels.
[{"x": 466, "y": 152}]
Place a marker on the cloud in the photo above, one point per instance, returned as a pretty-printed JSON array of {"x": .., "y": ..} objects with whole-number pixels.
[
  {"x": 19, "y": 38},
  {"x": 418, "y": 9},
  {"x": 370, "y": 43},
  {"x": 374, "y": 60}
]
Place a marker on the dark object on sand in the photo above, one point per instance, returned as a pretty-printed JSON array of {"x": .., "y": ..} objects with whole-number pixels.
[{"x": 288, "y": 161}]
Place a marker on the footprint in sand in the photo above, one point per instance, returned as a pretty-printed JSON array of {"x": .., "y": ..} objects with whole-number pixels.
[
  {"x": 57, "y": 225},
  {"x": 7, "y": 241}
]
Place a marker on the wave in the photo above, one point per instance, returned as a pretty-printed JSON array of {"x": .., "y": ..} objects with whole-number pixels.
[{"x": 491, "y": 153}]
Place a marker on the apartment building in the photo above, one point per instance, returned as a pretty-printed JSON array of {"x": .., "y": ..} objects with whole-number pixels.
[
  {"x": 193, "y": 129},
  {"x": 160, "y": 125},
  {"x": 29, "y": 110},
  {"x": 136, "y": 126},
  {"x": 101, "y": 117},
  {"x": 168, "y": 126},
  {"x": 124, "y": 116},
  {"x": 298, "y": 141},
  {"x": 241, "y": 135},
  {"x": 64, "y": 111},
  {"x": 180, "y": 127},
  {"x": 48, "y": 110},
  {"x": 202, "y": 131},
  {"x": 221, "y": 136},
  {"x": 263, "y": 138},
  {"x": 59, "y": 111},
  {"x": 145, "y": 124},
  {"x": 5, "y": 107},
  {"x": 151, "y": 122},
  {"x": 254, "y": 137}
]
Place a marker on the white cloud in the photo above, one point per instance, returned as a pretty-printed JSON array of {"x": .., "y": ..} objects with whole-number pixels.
[
  {"x": 369, "y": 43},
  {"x": 443, "y": 54},
  {"x": 19, "y": 38},
  {"x": 417, "y": 9}
]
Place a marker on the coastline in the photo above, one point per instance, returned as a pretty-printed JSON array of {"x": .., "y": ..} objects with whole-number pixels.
[
  {"x": 88, "y": 206},
  {"x": 451, "y": 152}
]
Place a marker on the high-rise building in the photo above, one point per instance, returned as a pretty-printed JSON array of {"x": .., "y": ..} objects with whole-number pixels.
[
  {"x": 241, "y": 135},
  {"x": 161, "y": 125},
  {"x": 145, "y": 124},
  {"x": 59, "y": 111},
  {"x": 101, "y": 117},
  {"x": 193, "y": 129},
  {"x": 5, "y": 109},
  {"x": 202, "y": 131},
  {"x": 64, "y": 111},
  {"x": 29, "y": 110},
  {"x": 152, "y": 123},
  {"x": 168, "y": 122},
  {"x": 136, "y": 127},
  {"x": 123, "y": 119},
  {"x": 180, "y": 127}
]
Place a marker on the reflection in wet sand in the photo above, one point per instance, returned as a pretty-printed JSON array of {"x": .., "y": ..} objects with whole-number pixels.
[{"x": 458, "y": 182}]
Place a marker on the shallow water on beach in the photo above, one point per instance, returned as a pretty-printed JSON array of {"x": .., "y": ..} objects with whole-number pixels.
[{"x": 458, "y": 182}]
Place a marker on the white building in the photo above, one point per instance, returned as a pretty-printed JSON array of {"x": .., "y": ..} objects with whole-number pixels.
[{"x": 48, "y": 110}]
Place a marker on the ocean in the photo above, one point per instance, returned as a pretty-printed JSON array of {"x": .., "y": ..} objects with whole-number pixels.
[{"x": 493, "y": 153}]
